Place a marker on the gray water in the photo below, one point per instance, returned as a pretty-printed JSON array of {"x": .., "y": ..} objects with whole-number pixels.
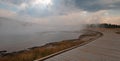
[
  {"x": 19, "y": 35},
  {"x": 17, "y": 42}
]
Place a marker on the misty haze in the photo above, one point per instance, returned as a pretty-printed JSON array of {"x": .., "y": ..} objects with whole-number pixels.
[
  {"x": 17, "y": 35},
  {"x": 55, "y": 30}
]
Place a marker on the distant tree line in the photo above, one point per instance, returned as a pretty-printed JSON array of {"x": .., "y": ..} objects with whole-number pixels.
[{"x": 104, "y": 25}]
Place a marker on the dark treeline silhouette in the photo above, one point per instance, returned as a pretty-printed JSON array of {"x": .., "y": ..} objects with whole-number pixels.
[{"x": 104, "y": 25}]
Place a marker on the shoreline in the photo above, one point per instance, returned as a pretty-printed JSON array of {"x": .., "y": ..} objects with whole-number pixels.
[
  {"x": 14, "y": 43},
  {"x": 68, "y": 49},
  {"x": 51, "y": 48}
]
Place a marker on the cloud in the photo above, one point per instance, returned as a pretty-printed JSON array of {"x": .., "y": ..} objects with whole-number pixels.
[
  {"x": 6, "y": 13},
  {"x": 15, "y": 2},
  {"x": 96, "y": 5},
  {"x": 61, "y": 7},
  {"x": 111, "y": 19},
  {"x": 61, "y": 11}
]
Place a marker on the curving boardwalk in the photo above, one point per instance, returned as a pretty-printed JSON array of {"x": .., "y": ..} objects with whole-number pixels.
[{"x": 106, "y": 48}]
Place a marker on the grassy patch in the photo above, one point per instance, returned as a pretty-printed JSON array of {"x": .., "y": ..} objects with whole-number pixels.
[{"x": 39, "y": 52}]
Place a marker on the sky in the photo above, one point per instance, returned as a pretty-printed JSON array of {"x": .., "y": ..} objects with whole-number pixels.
[{"x": 61, "y": 12}]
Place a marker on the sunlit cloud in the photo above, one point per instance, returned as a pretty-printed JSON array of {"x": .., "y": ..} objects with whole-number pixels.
[
  {"x": 42, "y": 2},
  {"x": 72, "y": 11},
  {"x": 6, "y": 13}
]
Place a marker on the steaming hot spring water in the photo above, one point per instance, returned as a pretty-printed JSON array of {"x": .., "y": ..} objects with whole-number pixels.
[{"x": 15, "y": 37}]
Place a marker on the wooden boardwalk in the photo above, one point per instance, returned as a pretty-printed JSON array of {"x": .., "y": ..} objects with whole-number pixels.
[{"x": 106, "y": 48}]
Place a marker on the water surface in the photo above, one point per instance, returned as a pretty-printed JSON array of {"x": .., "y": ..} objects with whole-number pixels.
[{"x": 17, "y": 42}]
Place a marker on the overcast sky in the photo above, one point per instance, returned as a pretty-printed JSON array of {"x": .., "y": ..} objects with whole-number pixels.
[{"x": 66, "y": 12}]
